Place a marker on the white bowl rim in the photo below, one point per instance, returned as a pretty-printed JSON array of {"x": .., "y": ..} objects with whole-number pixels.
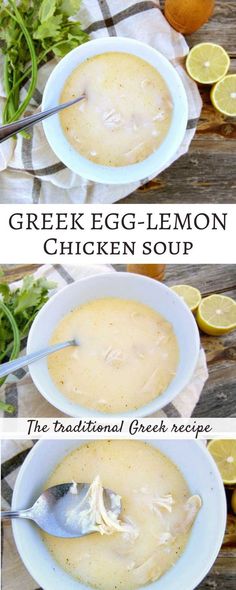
[
  {"x": 123, "y": 174},
  {"x": 160, "y": 401},
  {"x": 221, "y": 522}
]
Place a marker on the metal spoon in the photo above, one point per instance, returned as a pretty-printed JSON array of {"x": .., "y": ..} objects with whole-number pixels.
[
  {"x": 7, "y": 131},
  {"x": 27, "y": 359},
  {"x": 52, "y": 511}
]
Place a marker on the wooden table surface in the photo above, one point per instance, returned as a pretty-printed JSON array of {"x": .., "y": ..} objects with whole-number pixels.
[
  {"x": 223, "y": 574},
  {"x": 207, "y": 174}
]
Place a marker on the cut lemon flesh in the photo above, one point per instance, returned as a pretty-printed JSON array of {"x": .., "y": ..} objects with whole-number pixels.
[
  {"x": 216, "y": 315},
  {"x": 224, "y": 454},
  {"x": 190, "y": 295},
  {"x": 207, "y": 63},
  {"x": 223, "y": 96}
]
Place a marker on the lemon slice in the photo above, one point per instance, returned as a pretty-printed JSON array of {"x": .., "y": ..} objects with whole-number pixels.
[
  {"x": 216, "y": 315},
  {"x": 207, "y": 63},
  {"x": 223, "y": 96},
  {"x": 190, "y": 295},
  {"x": 224, "y": 454}
]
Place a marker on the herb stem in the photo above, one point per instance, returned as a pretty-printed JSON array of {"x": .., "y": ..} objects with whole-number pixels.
[
  {"x": 9, "y": 107},
  {"x": 24, "y": 76},
  {"x": 16, "y": 335},
  {"x": 34, "y": 67},
  {"x": 31, "y": 31},
  {"x": 5, "y": 354},
  {"x": 6, "y": 407}
]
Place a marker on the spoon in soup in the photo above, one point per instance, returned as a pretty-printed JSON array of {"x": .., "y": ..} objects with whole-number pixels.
[
  {"x": 9, "y": 130},
  {"x": 57, "y": 510},
  {"x": 27, "y": 359}
]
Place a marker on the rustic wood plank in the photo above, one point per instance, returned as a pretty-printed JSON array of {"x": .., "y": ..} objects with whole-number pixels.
[
  {"x": 223, "y": 574},
  {"x": 207, "y": 173},
  {"x": 216, "y": 581},
  {"x": 220, "y": 28},
  {"x": 194, "y": 178},
  {"x": 206, "y": 277},
  {"x": 219, "y": 395},
  {"x": 16, "y": 272},
  {"x": 217, "y": 278}
]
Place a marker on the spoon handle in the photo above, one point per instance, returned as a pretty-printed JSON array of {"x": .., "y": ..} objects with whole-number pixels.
[
  {"x": 8, "y": 514},
  {"x": 11, "y": 366},
  {"x": 7, "y": 131}
]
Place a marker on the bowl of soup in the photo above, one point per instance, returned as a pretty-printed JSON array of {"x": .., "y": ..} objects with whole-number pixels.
[
  {"x": 175, "y": 515},
  {"x": 138, "y": 346},
  {"x": 132, "y": 118}
]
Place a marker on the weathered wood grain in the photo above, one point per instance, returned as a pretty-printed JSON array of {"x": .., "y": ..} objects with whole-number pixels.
[
  {"x": 208, "y": 278},
  {"x": 207, "y": 174},
  {"x": 219, "y": 395},
  {"x": 16, "y": 272},
  {"x": 223, "y": 574},
  {"x": 220, "y": 28}
]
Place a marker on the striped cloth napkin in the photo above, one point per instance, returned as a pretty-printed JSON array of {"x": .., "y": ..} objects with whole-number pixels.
[
  {"x": 14, "y": 574},
  {"x": 20, "y": 391},
  {"x": 30, "y": 172}
]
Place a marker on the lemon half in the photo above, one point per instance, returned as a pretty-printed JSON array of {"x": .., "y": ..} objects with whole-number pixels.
[
  {"x": 223, "y": 96},
  {"x": 216, "y": 315},
  {"x": 207, "y": 63},
  {"x": 190, "y": 295},
  {"x": 224, "y": 454}
]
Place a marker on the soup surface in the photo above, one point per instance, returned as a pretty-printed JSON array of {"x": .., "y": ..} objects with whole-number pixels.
[
  {"x": 156, "y": 504},
  {"x": 128, "y": 355},
  {"x": 126, "y": 114}
]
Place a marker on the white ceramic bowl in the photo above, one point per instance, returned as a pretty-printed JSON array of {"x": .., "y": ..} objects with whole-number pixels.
[
  {"x": 125, "y": 174},
  {"x": 126, "y": 286},
  {"x": 205, "y": 540}
]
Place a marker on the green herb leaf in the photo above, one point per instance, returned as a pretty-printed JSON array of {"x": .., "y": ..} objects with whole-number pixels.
[
  {"x": 63, "y": 48},
  {"x": 4, "y": 289},
  {"x": 49, "y": 28},
  {"x": 18, "y": 309},
  {"x": 47, "y": 10},
  {"x": 29, "y": 31},
  {"x": 70, "y": 7},
  {"x": 23, "y": 304}
]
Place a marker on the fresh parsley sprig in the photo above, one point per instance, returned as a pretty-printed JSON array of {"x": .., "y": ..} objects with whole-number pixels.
[
  {"x": 18, "y": 308},
  {"x": 30, "y": 32}
]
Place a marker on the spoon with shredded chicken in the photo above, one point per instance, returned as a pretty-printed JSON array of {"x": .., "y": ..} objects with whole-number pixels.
[{"x": 72, "y": 510}]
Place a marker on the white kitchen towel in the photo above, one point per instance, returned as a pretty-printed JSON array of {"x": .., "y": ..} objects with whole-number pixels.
[
  {"x": 30, "y": 171},
  {"x": 20, "y": 391}
]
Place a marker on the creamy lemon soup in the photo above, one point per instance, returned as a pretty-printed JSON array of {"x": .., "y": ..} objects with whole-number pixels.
[
  {"x": 157, "y": 514},
  {"x": 126, "y": 113},
  {"x": 128, "y": 355}
]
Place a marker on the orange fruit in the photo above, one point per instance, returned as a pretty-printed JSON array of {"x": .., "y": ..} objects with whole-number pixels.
[{"x": 187, "y": 16}]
